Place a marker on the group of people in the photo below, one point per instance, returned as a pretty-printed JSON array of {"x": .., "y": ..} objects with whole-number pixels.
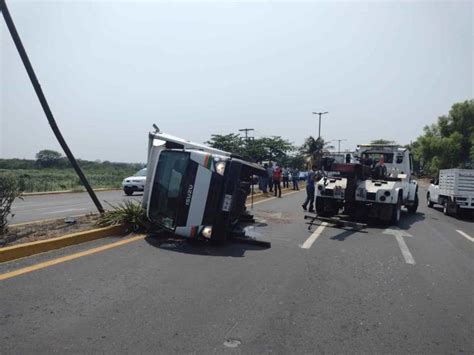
[{"x": 276, "y": 176}]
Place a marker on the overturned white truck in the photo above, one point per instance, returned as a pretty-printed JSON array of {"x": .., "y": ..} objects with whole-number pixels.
[
  {"x": 193, "y": 190},
  {"x": 361, "y": 194}
]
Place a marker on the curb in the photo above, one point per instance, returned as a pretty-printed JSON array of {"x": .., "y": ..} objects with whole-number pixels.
[
  {"x": 66, "y": 192},
  {"x": 22, "y": 250}
]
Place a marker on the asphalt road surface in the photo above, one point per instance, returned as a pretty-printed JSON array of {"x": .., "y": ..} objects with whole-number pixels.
[
  {"x": 40, "y": 207},
  {"x": 388, "y": 290}
]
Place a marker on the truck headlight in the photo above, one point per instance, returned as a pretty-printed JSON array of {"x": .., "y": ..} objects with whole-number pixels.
[
  {"x": 220, "y": 167},
  {"x": 206, "y": 232}
]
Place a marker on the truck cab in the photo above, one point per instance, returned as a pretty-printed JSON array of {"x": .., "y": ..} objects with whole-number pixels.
[{"x": 193, "y": 190}]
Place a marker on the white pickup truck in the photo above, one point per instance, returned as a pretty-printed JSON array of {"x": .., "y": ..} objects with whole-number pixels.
[{"x": 454, "y": 191}]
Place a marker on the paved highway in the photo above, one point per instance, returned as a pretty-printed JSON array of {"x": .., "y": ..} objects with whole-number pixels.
[
  {"x": 39, "y": 207},
  {"x": 388, "y": 290}
]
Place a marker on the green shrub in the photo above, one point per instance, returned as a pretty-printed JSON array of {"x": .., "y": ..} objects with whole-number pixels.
[
  {"x": 9, "y": 191},
  {"x": 129, "y": 213}
]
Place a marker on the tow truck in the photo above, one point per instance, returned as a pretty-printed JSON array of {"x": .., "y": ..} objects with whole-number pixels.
[
  {"x": 359, "y": 194},
  {"x": 196, "y": 191}
]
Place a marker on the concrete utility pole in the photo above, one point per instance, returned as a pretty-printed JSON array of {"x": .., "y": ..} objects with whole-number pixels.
[
  {"x": 339, "y": 144},
  {"x": 44, "y": 103},
  {"x": 247, "y": 130},
  {"x": 320, "y": 114}
]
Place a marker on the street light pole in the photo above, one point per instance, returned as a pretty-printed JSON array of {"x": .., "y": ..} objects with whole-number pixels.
[
  {"x": 339, "y": 144},
  {"x": 320, "y": 114}
]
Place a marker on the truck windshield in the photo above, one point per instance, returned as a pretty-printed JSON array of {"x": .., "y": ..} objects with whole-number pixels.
[
  {"x": 388, "y": 157},
  {"x": 164, "y": 203}
]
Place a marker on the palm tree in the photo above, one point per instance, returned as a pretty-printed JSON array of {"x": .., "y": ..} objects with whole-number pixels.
[{"x": 314, "y": 149}]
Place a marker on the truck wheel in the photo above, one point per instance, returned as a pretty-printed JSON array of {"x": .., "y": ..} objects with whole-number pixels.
[
  {"x": 396, "y": 212},
  {"x": 128, "y": 192},
  {"x": 429, "y": 203},
  {"x": 445, "y": 207},
  {"x": 450, "y": 208},
  {"x": 412, "y": 208},
  {"x": 319, "y": 206}
]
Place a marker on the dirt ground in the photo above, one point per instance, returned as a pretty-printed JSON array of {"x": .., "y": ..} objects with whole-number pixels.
[{"x": 46, "y": 230}]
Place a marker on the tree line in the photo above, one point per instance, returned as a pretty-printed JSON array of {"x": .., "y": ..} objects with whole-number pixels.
[
  {"x": 447, "y": 143},
  {"x": 51, "y": 159},
  {"x": 274, "y": 149}
]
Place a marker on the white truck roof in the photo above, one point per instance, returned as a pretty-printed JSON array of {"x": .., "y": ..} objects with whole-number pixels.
[{"x": 186, "y": 144}]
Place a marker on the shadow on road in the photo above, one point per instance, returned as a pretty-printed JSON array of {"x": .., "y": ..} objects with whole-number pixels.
[
  {"x": 199, "y": 247},
  {"x": 465, "y": 216},
  {"x": 406, "y": 221},
  {"x": 345, "y": 234}
]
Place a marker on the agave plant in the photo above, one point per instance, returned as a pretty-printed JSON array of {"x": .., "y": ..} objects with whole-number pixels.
[{"x": 129, "y": 213}]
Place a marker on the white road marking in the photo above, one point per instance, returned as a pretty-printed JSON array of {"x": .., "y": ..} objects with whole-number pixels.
[
  {"x": 399, "y": 235},
  {"x": 405, "y": 251},
  {"x": 465, "y": 235},
  {"x": 312, "y": 238}
]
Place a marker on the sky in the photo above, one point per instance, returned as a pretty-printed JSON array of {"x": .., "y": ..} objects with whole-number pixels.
[{"x": 110, "y": 69}]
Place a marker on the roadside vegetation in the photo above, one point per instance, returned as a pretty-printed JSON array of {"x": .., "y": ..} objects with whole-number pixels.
[
  {"x": 128, "y": 212},
  {"x": 448, "y": 143},
  {"x": 52, "y": 172},
  {"x": 9, "y": 191}
]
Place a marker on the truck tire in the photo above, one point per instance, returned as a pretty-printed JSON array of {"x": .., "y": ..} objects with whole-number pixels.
[
  {"x": 319, "y": 206},
  {"x": 429, "y": 203},
  {"x": 128, "y": 192},
  {"x": 396, "y": 212},
  {"x": 445, "y": 207},
  {"x": 412, "y": 208},
  {"x": 450, "y": 208}
]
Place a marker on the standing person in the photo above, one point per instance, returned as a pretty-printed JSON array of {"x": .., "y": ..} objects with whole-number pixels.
[
  {"x": 380, "y": 170},
  {"x": 295, "y": 175},
  {"x": 270, "y": 176},
  {"x": 276, "y": 180},
  {"x": 286, "y": 176},
  {"x": 263, "y": 181},
  {"x": 310, "y": 189}
]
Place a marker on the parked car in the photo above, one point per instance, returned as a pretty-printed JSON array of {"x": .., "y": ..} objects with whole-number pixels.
[{"x": 135, "y": 182}]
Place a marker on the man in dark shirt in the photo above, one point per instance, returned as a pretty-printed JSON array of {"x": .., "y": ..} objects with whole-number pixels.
[
  {"x": 380, "y": 170},
  {"x": 310, "y": 189}
]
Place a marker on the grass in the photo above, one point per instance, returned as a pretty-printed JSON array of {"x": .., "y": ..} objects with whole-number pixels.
[{"x": 56, "y": 179}]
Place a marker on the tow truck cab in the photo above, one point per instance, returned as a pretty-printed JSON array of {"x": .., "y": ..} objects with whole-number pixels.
[{"x": 193, "y": 190}]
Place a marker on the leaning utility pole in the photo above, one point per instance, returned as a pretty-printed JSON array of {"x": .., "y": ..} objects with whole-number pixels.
[
  {"x": 247, "y": 130},
  {"x": 44, "y": 103}
]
